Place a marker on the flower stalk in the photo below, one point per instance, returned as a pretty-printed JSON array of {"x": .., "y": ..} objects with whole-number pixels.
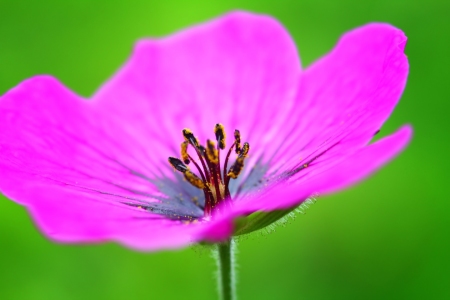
[{"x": 226, "y": 272}]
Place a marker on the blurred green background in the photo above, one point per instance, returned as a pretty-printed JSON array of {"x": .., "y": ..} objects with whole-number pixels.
[{"x": 387, "y": 238}]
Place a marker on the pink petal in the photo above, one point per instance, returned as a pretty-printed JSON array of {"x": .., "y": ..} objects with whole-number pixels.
[
  {"x": 69, "y": 160},
  {"x": 363, "y": 163},
  {"x": 234, "y": 70},
  {"x": 58, "y": 157},
  {"x": 84, "y": 218},
  {"x": 348, "y": 94},
  {"x": 69, "y": 216},
  {"x": 51, "y": 135},
  {"x": 328, "y": 177}
]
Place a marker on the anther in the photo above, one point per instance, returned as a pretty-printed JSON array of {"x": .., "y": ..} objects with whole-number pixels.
[
  {"x": 244, "y": 150},
  {"x": 178, "y": 165},
  {"x": 237, "y": 139},
  {"x": 184, "y": 153},
  {"x": 194, "y": 180},
  {"x": 211, "y": 152},
  {"x": 188, "y": 175},
  {"x": 237, "y": 167},
  {"x": 202, "y": 150},
  {"x": 219, "y": 130},
  {"x": 189, "y": 136}
]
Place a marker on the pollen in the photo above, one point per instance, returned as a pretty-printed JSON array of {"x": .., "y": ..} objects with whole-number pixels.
[
  {"x": 184, "y": 154},
  {"x": 236, "y": 168},
  {"x": 219, "y": 131},
  {"x": 189, "y": 137},
  {"x": 245, "y": 149},
  {"x": 211, "y": 152},
  {"x": 194, "y": 180},
  {"x": 237, "y": 141}
]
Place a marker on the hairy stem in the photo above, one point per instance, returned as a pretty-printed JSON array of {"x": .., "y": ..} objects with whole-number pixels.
[{"x": 226, "y": 274}]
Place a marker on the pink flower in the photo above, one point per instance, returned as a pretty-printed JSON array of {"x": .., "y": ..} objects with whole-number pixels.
[{"x": 97, "y": 170}]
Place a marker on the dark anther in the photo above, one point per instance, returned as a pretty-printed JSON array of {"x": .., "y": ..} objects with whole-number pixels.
[
  {"x": 244, "y": 150},
  {"x": 184, "y": 153},
  {"x": 202, "y": 150},
  {"x": 189, "y": 136},
  {"x": 211, "y": 152},
  {"x": 219, "y": 130},
  {"x": 237, "y": 138},
  {"x": 178, "y": 164},
  {"x": 238, "y": 165},
  {"x": 236, "y": 168}
]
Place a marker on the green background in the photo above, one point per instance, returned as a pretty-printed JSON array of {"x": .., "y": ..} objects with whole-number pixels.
[{"x": 386, "y": 238}]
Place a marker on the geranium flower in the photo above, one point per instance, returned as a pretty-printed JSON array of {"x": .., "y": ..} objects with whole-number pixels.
[{"x": 132, "y": 164}]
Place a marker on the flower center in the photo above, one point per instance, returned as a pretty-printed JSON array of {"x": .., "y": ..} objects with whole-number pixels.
[{"x": 210, "y": 178}]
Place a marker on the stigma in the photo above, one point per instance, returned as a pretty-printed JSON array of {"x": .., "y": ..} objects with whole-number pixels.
[{"x": 208, "y": 174}]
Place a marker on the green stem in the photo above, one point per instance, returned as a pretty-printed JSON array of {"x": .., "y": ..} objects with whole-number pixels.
[{"x": 225, "y": 258}]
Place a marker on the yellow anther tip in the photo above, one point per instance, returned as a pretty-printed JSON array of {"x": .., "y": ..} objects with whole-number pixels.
[{"x": 232, "y": 175}]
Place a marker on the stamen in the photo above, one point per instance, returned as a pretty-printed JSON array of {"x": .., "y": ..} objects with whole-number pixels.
[
  {"x": 238, "y": 165},
  {"x": 184, "y": 153},
  {"x": 178, "y": 164},
  {"x": 219, "y": 130},
  {"x": 211, "y": 152},
  {"x": 244, "y": 150},
  {"x": 226, "y": 161},
  {"x": 214, "y": 186},
  {"x": 206, "y": 191},
  {"x": 189, "y": 136},
  {"x": 194, "y": 180},
  {"x": 237, "y": 140},
  {"x": 236, "y": 168},
  {"x": 202, "y": 150},
  {"x": 190, "y": 177},
  {"x": 198, "y": 168}
]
